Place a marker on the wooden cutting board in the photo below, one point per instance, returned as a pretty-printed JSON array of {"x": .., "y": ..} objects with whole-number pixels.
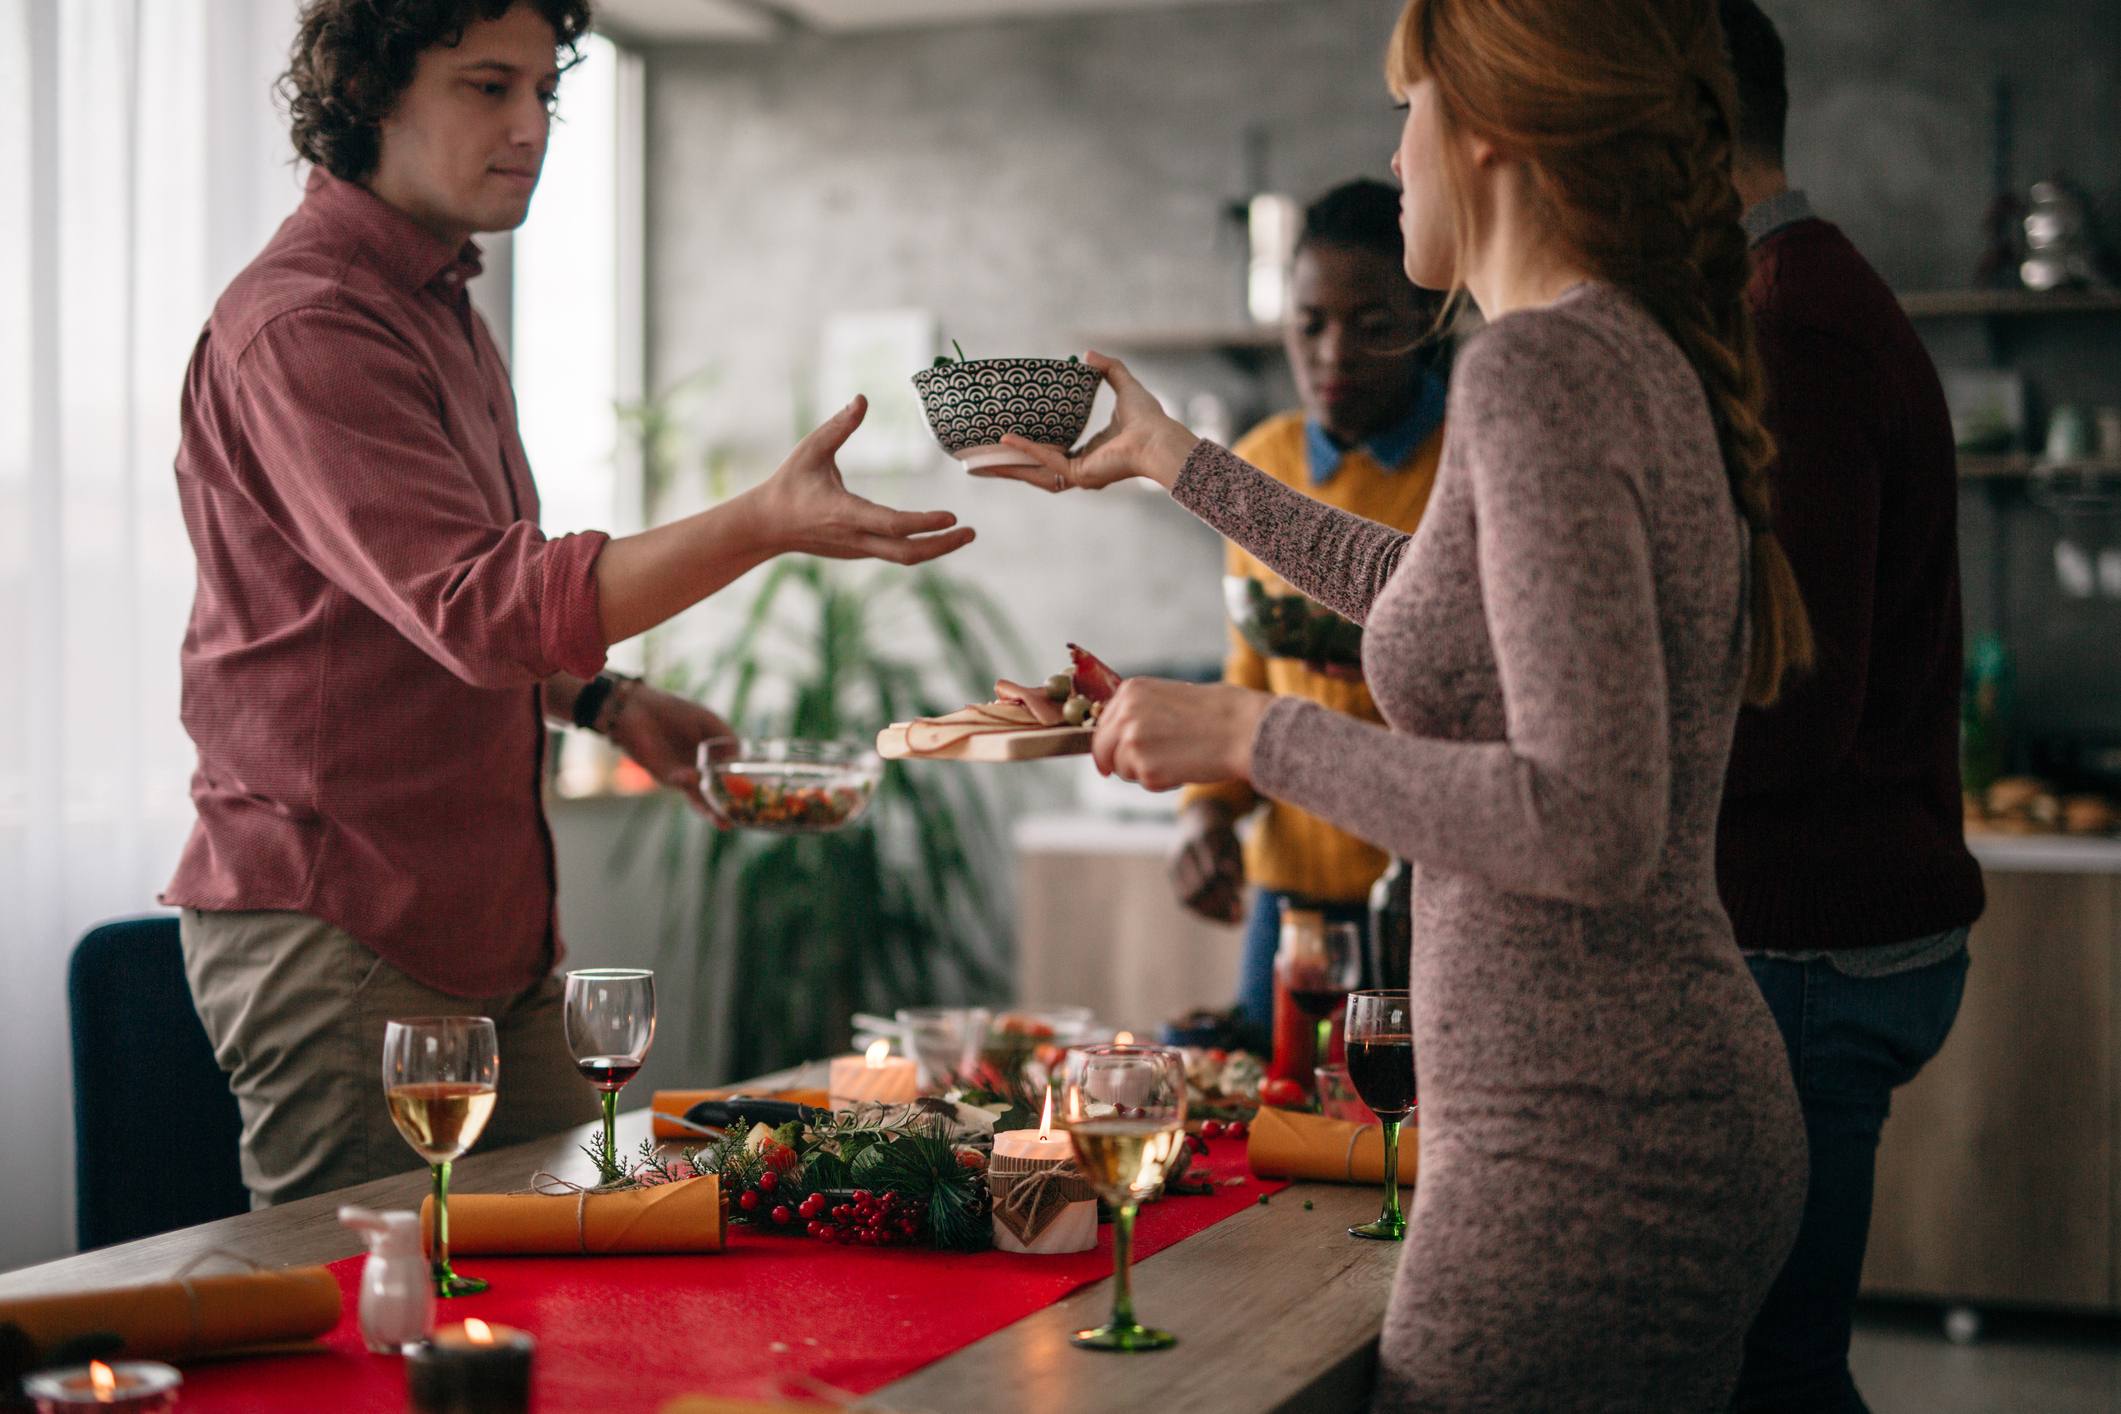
[{"x": 1030, "y": 744}]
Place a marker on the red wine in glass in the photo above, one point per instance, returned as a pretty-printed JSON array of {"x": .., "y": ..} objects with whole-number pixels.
[
  {"x": 1318, "y": 1005},
  {"x": 1382, "y": 1070},
  {"x": 609, "y": 1072}
]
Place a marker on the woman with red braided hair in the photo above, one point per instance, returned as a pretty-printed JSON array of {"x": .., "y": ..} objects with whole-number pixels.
[{"x": 1613, "y": 1159}]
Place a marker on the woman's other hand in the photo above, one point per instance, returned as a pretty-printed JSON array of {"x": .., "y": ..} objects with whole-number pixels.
[
  {"x": 1141, "y": 440},
  {"x": 805, "y": 508},
  {"x": 1207, "y": 868},
  {"x": 1162, "y": 734}
]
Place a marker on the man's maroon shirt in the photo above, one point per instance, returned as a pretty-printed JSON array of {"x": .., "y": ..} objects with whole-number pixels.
[
  {"x": 1842, "y": 825},
  {"x": 375, "y": 607}
]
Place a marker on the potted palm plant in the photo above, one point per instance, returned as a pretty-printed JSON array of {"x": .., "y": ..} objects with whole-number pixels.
[{"x": 791, "y": 935}]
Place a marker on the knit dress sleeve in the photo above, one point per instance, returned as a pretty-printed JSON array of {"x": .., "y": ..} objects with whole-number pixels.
[{"x": 1572, "y": 803}]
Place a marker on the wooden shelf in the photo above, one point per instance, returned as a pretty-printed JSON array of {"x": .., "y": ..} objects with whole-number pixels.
[
  {"x": 1954, "y": 304},
  {"x": 2022, "y": 464}
]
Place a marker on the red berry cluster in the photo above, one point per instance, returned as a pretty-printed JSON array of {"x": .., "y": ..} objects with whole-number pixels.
[
  {"x": 866, "y": 1219},
  {"x": 1216, "y": 1129},
  {"x": 753, "y": 1199}
]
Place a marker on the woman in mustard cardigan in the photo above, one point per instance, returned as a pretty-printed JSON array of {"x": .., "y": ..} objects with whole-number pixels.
[{"x": 1366, "y": 441}]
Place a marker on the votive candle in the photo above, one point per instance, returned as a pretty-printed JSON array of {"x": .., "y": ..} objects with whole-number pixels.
[{"x": 876, "y": 1077}]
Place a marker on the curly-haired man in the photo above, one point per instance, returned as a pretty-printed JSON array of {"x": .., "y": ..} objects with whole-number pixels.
[{"x": 380, "y": 628}]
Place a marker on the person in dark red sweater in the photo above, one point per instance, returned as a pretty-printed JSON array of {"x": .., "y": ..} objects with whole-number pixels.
[{"x": 1841, "y": 856}]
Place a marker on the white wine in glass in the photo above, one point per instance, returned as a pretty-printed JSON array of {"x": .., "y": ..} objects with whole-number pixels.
[
  {"x": 441, "y": 1075},
  {"x": 609, "y": 1017},
  {"x": 1125, "y": 1112}
]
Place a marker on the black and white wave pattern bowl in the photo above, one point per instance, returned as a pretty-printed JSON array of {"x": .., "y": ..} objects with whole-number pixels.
[{"x": 972, "y": 405}]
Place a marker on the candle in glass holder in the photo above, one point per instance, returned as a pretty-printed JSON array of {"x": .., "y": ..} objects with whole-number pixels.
[
  {"x": 136, "y": 1386},
  {"x": 473, "y": 1368},
  {"x": 1042, "y": 1203},
  {"x": 876, "y": 1077}
]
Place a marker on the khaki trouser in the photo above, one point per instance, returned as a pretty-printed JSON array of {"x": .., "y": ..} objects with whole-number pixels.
[{"x": 295, "y": 1009}]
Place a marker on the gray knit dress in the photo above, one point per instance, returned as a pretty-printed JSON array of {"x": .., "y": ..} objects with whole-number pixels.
[{"x": 1612, "y": 1157}]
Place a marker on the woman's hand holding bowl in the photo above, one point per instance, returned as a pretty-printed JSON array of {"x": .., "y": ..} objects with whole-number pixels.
[
  {"x": 1141, "y": 440},
  {"x": 1162, "y": 734}
]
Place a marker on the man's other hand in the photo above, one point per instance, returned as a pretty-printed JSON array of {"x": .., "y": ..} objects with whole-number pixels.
[{"x": 662, "y": 732}]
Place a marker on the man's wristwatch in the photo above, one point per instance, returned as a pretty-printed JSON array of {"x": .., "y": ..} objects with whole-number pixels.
[{"x": 600, "y": 699}]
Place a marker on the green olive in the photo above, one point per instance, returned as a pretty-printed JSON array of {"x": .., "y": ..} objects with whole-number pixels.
[
  {"x": 1060, "y": 687},
  {"x": 1076, "y": 711}
]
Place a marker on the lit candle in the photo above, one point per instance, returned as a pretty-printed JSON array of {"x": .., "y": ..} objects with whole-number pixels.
[
  {"x": 471, "y": 1367},
  {"x": 137, "y": 1386},
  {"x": 1041, "y": 1202},
  {"x": 876, "y": 1076}
]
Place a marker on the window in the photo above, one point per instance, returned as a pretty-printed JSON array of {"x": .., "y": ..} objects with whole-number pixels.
[{"x": 576, "y": 306}]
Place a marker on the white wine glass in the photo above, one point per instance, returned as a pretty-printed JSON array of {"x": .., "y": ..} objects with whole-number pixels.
[
  {"x": 1124, "y": 1108},
  {"x": 609, "y": 1017},
  {"x": 441, "y": 1075},
  {"x": 1381, "y": 1068}
]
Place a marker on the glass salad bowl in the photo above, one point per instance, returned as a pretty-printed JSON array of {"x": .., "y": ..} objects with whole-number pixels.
[{"x": 789, "y": 787}]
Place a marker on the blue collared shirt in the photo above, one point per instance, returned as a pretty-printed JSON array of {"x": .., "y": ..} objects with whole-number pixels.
[{"x": 1392, "y": 448}]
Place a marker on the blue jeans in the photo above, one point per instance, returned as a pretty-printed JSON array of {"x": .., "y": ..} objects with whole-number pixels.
[
  {"x": 1255, "y": 976},
  {"x": 1851, "y": 1042}
]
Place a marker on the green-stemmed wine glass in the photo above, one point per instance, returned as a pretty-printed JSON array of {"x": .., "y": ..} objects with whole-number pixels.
[
  {"x": 441, "y": 1075},
  {"x": 1124, "y": 1108},
  {"x": 610, "y": 1022},
  {"x": 1319, "y": 968},
  {"x": 1381, "y": 1067}
]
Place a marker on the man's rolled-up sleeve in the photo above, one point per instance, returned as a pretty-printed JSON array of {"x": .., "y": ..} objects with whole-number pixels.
[{"x": 349, "y": 458}]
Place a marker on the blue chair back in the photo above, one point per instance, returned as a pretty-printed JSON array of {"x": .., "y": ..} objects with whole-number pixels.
[{"x": 155, "y": 1127}]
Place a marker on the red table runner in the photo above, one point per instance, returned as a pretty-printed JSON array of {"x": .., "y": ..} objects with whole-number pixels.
[{"x": 623, "y": 1334}]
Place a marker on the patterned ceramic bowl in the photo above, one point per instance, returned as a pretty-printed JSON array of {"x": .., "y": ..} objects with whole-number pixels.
[{"x": 971, "y": 405}]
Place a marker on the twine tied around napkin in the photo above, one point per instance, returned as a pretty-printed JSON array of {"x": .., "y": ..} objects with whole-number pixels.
[
  {"x": 1030, "y": 1193},
  {"x": 551, "y": 1185}
]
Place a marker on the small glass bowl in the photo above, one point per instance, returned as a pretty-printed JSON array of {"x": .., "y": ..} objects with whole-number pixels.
[
  {"x": 1337, "y": 1098},
  {"x": 789, "y": 787}
]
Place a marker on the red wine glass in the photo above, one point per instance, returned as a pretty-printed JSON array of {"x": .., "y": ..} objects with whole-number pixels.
[
  {"x": 610, "y": 1022},
  {"x": 1319, "y": 968},
  {"x": 1381, "y": 1067}
]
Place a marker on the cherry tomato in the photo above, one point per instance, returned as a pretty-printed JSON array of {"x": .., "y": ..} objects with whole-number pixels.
[{"x": 1281, "y": 1094}]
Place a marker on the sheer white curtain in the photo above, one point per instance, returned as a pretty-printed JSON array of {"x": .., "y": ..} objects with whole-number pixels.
[{"x": 142, "y": 163}]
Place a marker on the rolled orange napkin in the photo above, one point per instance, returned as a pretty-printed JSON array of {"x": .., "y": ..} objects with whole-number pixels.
[
  {"x": 674, "y": 1103},
  {"x": 685, "y": 1216},
  {"x": 195, "y": 1316},
  {"x": 1290, "y": 1144}
]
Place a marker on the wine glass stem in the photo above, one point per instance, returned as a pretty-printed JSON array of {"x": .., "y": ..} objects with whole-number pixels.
[
  {"x": 1122, "y": 1265},
  {"x": 611, "y": 1153},
  {"x": 1391, "y": 1212},
  {"x": 439, "y": 1268}
]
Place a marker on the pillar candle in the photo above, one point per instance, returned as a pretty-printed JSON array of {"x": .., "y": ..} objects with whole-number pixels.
[
  {"x": 1018, "y": 1155},
  {"x": 877, "y": 1076}
]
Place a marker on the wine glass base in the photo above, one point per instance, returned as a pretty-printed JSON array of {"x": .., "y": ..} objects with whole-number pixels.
[
  {"x": 1383, "y": 1230},
  {"x": 1114, "y": 1337},
  {"x": 454, "y": 1285}
]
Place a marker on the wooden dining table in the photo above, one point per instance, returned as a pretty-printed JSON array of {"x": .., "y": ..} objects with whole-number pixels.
[{"x": 1276, "y": 1308}]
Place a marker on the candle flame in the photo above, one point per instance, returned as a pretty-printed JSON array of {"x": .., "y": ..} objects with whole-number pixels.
[
  {"x": 1123, "y": 1038},
  {"x": 105, "y": 1382},
  {"x": 878, "y": 1051},
  {"x": 1045, "y": 1121},
  {"x": 477, "y": 1330}
]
